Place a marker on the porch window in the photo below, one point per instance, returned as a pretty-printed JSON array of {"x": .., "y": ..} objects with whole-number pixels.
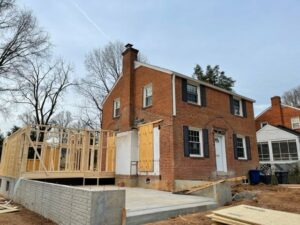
[
  {"x": 195, "y": 136},
  {"x": 285, "y": 150},
  {"x": 295, "y": 121},
  {"x": 241, "y": 147},
  {"x": 263, "y": 151},
  {"x": 147, "y": 99}
]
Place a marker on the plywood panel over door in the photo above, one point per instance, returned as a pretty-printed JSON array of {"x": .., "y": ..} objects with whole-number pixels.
[{"x": 146, "y": 154}]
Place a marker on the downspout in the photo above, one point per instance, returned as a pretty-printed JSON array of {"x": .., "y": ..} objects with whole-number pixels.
[{"x": 174, "y": 94}]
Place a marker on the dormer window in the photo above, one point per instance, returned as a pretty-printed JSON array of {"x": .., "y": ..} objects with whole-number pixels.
[
  {"x": 262, "y": 124},
  {"x": 295, "y": 121},
  {"x": 117, "y": 107}
]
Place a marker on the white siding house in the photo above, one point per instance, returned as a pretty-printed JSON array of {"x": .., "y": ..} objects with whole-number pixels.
[{"x": 278, "y": 145}]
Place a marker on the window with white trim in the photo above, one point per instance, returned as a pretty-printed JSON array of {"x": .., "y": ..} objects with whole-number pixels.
[
  {"x": 117, "y": 107},
  {"x": 262, "y": 124},
  {"x": 237, "y": 107},
  {"x": 241, "y": 147},
  {"x": 263, "y": 151},
  {"x": 285, "y": 150},
  {"x": 195, "y": 142},
  {"x": 147, "y": 95},
  {"x": 295, "y": 121},
  {"x": 193, "y": 93}
]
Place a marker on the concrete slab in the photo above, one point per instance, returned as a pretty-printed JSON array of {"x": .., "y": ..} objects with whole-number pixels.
[{"x": 147, "y": 205}]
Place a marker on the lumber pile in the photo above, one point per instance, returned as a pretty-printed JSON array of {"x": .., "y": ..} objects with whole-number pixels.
[
  {"x": 249, "y": 215},
  {"x": 207, "y": 185},
  {"x": 6, "y": 208}
]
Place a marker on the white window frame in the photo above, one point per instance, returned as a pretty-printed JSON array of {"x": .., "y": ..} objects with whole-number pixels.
[
  {"x": 117, "y": 100},
  {"x": 199, "y": 130},
  {"x": 262, "y": 124},
  {"x": 244, "y": 146},
  {"x": 145, "y": 96},
  {"x": 295, "y": 120},
  {"x": 198, "y": 93},
  {"x": 260, "y": 144},
  {"x": 241, "y": 107}
]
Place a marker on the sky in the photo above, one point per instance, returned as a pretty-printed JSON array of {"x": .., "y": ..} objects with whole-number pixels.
[{"x": 255, "y": 42}]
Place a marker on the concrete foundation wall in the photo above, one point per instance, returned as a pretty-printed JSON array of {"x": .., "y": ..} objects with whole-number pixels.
[
  {"x": 70, "y": 205},
  {"x": 7, "y": 185}
]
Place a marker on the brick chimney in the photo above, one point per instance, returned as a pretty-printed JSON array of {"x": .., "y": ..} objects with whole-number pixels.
[
  {"x": 129, "y": 56},
  {"x": 276, "y": 101},
  {"x": 277, "y": 110}
]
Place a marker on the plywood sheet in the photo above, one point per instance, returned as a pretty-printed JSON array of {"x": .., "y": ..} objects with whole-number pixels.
[
  {"x": 146, "y": 153},
  {"x": 258, "y": 216},
  {"x": 111, "y": 153}
]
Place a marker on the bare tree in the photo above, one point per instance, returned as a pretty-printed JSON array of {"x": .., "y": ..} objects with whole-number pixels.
[
  {"x": 40, "y": 88},
  {"x": 63, "y": 119},
  {"x": 104, "y": 66},
  {"x": 292, "y": 97},
  {"x": 20, "y": 38}
]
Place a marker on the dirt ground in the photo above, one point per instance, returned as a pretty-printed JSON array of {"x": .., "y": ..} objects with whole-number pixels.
[
  {"x": 23, "y": 217},
  {"x": 270, "y": 197}
]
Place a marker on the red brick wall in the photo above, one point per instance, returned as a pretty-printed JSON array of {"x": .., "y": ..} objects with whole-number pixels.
[
  {"x": 173, "y": 164},
  {"x": 215, "y": 115},
  {"x": 160, "y": 109},
  {"x": 278, "y": 115}
]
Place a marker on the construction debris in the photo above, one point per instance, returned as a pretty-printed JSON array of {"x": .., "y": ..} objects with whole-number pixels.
[
  {"x": 249, "y": 215},
  {"x": 207, "y": 185},
  {"x": 6, "y": 208}
]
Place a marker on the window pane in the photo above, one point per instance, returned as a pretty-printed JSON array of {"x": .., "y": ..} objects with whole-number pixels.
[
  {"x": 276, "y": 150},
  {"x": 192, "y": 95},
  {"x": 236, "y": 106},
  {"x": 194, "y": 148},
  {"x": 240, "y": 153},
  {"x": 148, "y": 100},
  {"x": 293, "y": 150},
  {"x": 194, "y": 142}
]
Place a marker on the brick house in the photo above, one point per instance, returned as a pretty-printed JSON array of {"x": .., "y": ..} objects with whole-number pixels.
[
  {"x": 278, "y": 134},
  {"x": 175, "y": 131},
  {"x": 279, "y": 114}
]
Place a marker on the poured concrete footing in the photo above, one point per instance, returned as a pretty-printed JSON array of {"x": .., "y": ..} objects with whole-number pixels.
[{"x": 147, "y": 205}]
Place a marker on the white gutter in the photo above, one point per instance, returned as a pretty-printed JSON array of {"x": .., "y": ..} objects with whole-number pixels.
[{"x": 174, "y": 94}]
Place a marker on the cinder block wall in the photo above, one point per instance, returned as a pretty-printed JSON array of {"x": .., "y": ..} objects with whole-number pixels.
[{"x": 70, "y": 205}]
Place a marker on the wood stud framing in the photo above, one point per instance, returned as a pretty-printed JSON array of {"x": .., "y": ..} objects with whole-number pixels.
[{"x": 57, "y": 152}]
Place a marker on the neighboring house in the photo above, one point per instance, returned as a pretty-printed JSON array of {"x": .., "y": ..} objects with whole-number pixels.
[
  {"x": 174, "y": 131},
  {"x": 278, "y": 134},
  {"x": 278, "y": 144},
  {"x": 279, "y": 114}
]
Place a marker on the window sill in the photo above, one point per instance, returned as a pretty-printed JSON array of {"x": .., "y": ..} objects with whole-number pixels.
[
  {"x": 147, "y": 107},
  {"x": 242, "y": 159},
  {"x": 196, "y": 156},
  {"x": 241, "y": 116},
  {"x": 194, "y": 104},
  {"x": 116, "y": 117}
]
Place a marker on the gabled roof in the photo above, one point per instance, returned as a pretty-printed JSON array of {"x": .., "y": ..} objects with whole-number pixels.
[
  {"x": 288, "y": 130},
  {"x": 271, "y": 132},
  {"x": 282, "y": 105},
  {"x": 138, "y": 64}
]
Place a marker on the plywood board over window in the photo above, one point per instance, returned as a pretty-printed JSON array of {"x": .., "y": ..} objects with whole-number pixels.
[{"x": 146, "y": 154}]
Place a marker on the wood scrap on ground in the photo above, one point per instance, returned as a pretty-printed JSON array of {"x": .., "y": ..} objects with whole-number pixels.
[
  {"x": 207, "y": 185},
  {"x": 294, "y": 186},
  {"x": 249, "y": 215},
  {"x": 5, "y": 208}
]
